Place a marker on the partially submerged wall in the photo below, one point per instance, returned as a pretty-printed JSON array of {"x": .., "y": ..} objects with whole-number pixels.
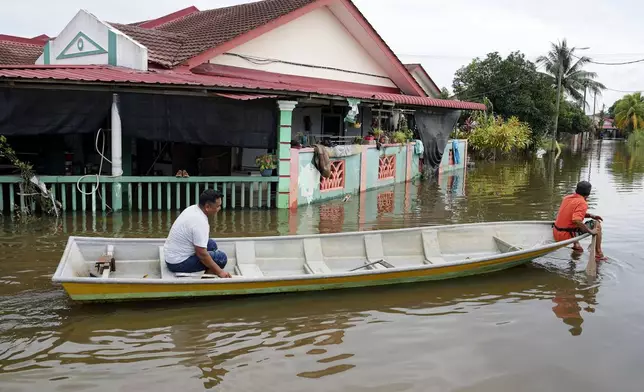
[{"x": 354, "y": 169}]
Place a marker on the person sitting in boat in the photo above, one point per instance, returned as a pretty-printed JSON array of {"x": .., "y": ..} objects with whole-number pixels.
[
  {"x": 189, "y": 247},
  {"x": 570, "y": 220}
]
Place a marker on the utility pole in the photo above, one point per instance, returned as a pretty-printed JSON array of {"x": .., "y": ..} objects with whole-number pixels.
[{"x": 554, "y": 131}]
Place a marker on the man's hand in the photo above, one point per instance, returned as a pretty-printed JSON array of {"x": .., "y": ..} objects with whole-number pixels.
[
  {"x": 223, "y": 274},
  {"x": 597, "y": 217},
  {"x": 593, "y": 232}
]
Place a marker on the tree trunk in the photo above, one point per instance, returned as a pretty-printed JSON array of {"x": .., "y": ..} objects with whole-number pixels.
[{"x": 554, "y": 131}]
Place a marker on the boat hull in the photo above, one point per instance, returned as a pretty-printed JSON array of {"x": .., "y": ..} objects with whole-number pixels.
[{"x": 116, "y": 291}]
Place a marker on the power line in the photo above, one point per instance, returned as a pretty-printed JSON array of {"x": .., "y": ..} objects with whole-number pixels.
[
  {"x": 624, "y": 91},
  {"x": 605, "y": 63}
]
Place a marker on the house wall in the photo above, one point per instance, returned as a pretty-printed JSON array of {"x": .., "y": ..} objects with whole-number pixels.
[
  {"x": 427, "y": 86},
  {"x": 448, "y": 164},
  {"x": 99, "y": 45},
  {"x": 130, "y": 54},
  {"x": 360, "y": 174},
  {"x": 317, "y": 38}
]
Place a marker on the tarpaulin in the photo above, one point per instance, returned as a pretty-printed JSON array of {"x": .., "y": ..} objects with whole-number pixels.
[
  {"x": 200, "y": 120},
  {"x": 26, "y": 112},
  {"x": 434, "y": 128}
]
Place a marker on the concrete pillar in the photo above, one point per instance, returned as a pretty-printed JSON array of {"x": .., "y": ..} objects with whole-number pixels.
[
  {"x": 117, "y": 155},
  {"x": 284, "y": 152}
]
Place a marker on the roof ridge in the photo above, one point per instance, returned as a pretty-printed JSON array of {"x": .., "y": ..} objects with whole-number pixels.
[
  {"x": 177, "y": 15},
  {"x": 22, "y": 40}
]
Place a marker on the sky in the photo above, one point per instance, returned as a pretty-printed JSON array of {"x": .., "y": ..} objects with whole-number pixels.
[{"x": 441, "y": 35}]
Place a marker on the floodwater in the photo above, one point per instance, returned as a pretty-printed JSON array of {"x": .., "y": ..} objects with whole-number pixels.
[{"x": 543, "y": 327}]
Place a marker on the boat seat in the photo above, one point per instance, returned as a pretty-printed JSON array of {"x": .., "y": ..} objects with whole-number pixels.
[
  {"x": 167, "y": 274},
  {"x": 505, "y": 247},
  {"x": 246, "y": 262},
  {"x": 431, "y": 247},
  {"x": 375, "y": 252},
  {"x": 314, "y": 259}
]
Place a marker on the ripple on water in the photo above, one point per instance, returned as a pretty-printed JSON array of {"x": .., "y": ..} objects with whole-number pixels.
[{"x": 439, "y": 336}]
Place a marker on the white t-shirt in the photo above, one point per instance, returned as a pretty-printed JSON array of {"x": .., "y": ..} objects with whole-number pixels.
[{"x": 189, "y": 230}]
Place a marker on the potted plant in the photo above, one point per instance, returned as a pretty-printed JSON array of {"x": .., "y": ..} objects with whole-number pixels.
[{"x": 266, "y": 163}]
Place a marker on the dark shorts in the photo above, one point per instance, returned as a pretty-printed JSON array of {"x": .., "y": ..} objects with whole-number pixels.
[
  {"x": 565, "y": 235},
  {"x": 193, "y": 264}
]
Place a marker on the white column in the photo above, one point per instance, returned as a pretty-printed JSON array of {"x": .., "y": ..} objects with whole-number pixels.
[
  {"x": 117, "y": 148},
  {"x": 117, "y": 155}
]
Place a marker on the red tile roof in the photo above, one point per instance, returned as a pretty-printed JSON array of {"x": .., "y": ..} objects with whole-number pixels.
[
  {"x": 19, "y": 50},
  {"x": 150, "y": 24},
  {"x": 163, "y": 47},
  {"x": 107, "y": 74},
  {"x": 177, "y": 37}
]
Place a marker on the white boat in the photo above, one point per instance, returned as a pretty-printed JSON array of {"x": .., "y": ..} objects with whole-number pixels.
[{"x": 106, "y": 269}]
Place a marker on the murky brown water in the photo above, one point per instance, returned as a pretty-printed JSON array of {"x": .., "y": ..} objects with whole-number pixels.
[{"x": 544, "y": 327}]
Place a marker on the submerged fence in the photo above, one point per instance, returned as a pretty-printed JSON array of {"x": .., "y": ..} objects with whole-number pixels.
[{"x": 144, "y": 193}]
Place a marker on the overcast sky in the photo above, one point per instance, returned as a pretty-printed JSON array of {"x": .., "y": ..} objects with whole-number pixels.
[{"x": 442, "y": 35}]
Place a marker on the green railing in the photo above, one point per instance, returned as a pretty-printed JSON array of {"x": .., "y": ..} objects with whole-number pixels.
[{"x": 145, "y": 193}]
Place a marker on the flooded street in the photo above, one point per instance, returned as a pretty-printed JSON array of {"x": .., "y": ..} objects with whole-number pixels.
[{"x": 543, "y": 327}]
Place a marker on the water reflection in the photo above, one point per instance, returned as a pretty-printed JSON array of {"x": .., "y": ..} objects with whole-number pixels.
[
  {"x": 271, "y": 330},
  {"x": 436, "y": 336}
]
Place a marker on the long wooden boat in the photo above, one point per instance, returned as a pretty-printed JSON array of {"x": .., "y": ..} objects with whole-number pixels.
[{"x": 107, "y": 269}]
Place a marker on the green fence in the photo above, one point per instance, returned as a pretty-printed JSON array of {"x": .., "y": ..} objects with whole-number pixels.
[{"x": 144, "y": 193}]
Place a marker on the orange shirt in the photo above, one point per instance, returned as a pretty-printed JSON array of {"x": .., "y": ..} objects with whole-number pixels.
[{"x": 573, "y": 207}]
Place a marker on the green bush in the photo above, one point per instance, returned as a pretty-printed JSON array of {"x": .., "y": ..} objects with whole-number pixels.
[{"x": 493, "y": 137}]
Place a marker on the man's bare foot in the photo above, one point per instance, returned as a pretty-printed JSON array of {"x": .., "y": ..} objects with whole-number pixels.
[{"x": 600, "y": 257}]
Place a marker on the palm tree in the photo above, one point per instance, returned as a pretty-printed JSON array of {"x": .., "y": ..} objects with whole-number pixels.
[
  {"x": 629, "y": 112},
  {"x": 567, "y": 70}
]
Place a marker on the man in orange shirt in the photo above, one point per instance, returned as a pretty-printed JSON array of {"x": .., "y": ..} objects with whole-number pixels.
[{"x": 570, "y": 219}]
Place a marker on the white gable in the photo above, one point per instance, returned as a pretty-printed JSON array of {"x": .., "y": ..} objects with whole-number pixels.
[
  {"x": 88, "y": 41},
  {"x": 426, "y": 84},
  {"x": 316, "y": 39}
]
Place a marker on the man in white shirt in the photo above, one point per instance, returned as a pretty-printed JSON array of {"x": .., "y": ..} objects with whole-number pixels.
[{"x": 188, "y": 247}]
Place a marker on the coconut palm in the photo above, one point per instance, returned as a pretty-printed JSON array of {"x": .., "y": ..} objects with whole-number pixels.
[
  {"x": 567, "y": 71},
  {"x": 629, "y": 112},
  {"x": 593, "y": 88}
]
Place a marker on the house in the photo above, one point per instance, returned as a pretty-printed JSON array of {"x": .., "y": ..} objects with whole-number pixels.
[
  {"x": 424, "y": 80},
  {"x": 205, "y": 93},
  {"x": 609, "y": 130},
  {"x": 20, "y": 50}
]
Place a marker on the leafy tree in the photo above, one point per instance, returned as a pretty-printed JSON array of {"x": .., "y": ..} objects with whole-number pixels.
[
  {"x": 444, "y": 93},
  {"x": 611, "y": 110},
  {"x": 629, "y": 112},
  {"x": 513, "y": 87},
  {"x": 572, "y": 119}
]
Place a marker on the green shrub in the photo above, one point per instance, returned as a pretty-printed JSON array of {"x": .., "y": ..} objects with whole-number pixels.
[{"x": 493, "y": 137}]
